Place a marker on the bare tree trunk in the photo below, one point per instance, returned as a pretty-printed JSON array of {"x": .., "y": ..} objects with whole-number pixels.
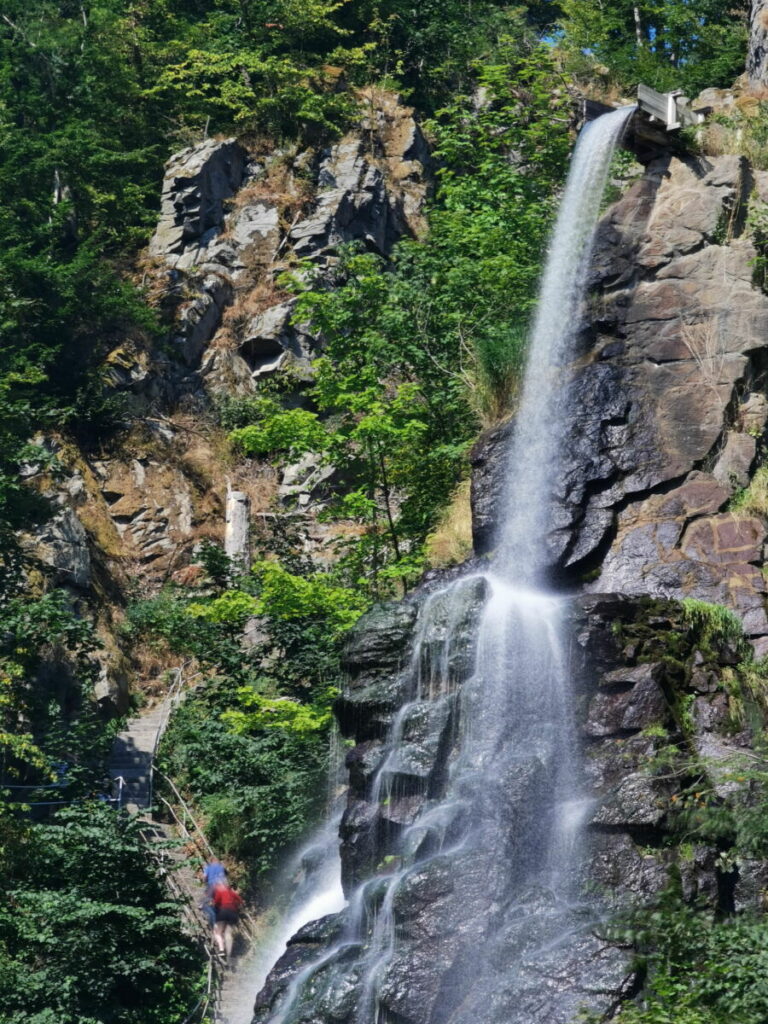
[
  {"x": 638, "y": 26},
  {"x": 757, "y": 55}
]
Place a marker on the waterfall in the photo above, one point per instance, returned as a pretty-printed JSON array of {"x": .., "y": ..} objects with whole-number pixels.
[
  {"x": 497, "y": 849},
  {"x": 541, "y": 416}
]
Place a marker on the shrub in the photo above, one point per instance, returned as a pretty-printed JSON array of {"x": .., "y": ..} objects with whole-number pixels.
[{"x": 87, "y": 932}]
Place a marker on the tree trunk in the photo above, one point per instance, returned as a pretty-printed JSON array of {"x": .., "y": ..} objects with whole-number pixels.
[{"x": 757, "y": 55}]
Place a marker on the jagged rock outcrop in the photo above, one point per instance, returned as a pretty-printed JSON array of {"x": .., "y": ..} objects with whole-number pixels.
[
  {"x": 198, "y": 181},
  {"x": 231, "y": 223},
  {"x": 668, "y": 403},
  {"x": 232, "y": 220}
]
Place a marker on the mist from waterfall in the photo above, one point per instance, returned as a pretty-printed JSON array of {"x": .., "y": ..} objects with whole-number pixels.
[{"x": 505, "y": 828}]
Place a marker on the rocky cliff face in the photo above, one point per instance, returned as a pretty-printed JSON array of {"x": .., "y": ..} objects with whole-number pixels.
[
  {"x": 668, "y": 410},
  {"x": 668, "y": 404},
  {"x": 647, "y": 683},
  {"x": 232, "y": 220}
]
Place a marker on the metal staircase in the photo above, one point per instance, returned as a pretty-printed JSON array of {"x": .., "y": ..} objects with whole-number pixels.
[{"x": 132, "y": 768}]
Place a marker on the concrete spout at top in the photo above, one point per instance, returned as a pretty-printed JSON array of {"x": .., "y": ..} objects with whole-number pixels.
[
  {"x": 655, "y": 124},
  {"x": 670, "y": 110}
]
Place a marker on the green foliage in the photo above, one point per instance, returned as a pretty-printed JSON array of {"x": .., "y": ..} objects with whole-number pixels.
[
  {"x": 251, "y": 748},
  {"x": 294, "y": 431},
  {"x": 284, "y": 595},
  {"x": 47, "y": 715},
  {"x": 667, "y": 44},
  {"x": 714, "y": 622},
  {"x": 86, "y": 931},
  {"x": 259, "y": 780},
  {"x": 252, "y": 90},
  {"x": 215, "y": 561},
  {"x": 260, "y": 712},
  {"x": 757, "y": 224},
  {"x": 232, "y": 608},
  {"x": 702, "y": 970},
  {"x": 416, "y": 358}
]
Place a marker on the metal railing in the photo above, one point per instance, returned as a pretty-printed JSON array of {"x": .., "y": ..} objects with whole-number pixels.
[
  {"x": 172, "y": 698},
  {"x": 199, "y": 839},
  {"x": 114, "y": 799}
]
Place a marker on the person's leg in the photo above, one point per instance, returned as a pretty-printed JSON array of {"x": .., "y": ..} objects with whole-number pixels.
[
  {"x": 219, "y": 930},
  {"x": 228, "y": 939}
]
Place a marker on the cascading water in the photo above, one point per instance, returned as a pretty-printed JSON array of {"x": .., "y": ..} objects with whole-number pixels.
[{"x": 495, "y": 840}]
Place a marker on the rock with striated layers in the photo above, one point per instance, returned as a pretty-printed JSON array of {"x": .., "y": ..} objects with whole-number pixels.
[{"x": 198, "y": 181}]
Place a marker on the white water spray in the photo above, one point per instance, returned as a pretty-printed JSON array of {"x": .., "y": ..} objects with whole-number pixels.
[{"x": 541, "y": 417}]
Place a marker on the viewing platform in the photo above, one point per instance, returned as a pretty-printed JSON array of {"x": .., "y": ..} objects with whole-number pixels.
[{"x": 656, "y": 123}]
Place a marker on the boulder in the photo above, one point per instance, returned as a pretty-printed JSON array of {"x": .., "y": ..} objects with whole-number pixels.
[
  {"x": 198, "y": 180},
  {"x": 61, "y": 543}
]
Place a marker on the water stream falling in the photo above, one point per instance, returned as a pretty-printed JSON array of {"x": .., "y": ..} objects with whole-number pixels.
[{"x": 495, "y": 845}]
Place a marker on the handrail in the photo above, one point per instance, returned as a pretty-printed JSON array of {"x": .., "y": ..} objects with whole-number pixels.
[
  {"x": 192, "y": 912},
  {"x": 38, "y": 785},
  {"x": 205, "y": 999},
  {"x": 168, "y": 704},
  {"x": 206, "y": 845},
  {"x": 246, "y": 918},
  {"x": 198, "y": 926}
]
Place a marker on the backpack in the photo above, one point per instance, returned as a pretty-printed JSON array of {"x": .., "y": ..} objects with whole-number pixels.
[{"x": 227, "y": 899}]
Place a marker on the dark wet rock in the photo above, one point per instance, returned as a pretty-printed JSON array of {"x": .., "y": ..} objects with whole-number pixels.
[
  {"x": 488, "y": 463},
  {"x": 698, "y": 874},
  {"x": 362, "y": 762},
  {"x": 424, "y": 731},
  {"x": 637, "y": 801},
  {"x": 379, "y": 642},
  {"x": 376, "y": 652},
  {"x": 636, "y": 662},
  {"x": 610, "y": 761},
  {"x": 359, "y": 833},
  {"x": 624, "y": 872},
  {"x": 635, "y": 701},
  {"x": 323, "y": 930}
]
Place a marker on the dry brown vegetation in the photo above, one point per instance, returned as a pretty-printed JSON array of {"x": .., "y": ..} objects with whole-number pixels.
[
  {"x": 248, "y": 304},
  {"x": 451, "y": 541}
]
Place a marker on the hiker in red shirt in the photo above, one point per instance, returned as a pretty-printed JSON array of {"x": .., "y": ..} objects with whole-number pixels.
[{"x": 226, "y": 905}]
